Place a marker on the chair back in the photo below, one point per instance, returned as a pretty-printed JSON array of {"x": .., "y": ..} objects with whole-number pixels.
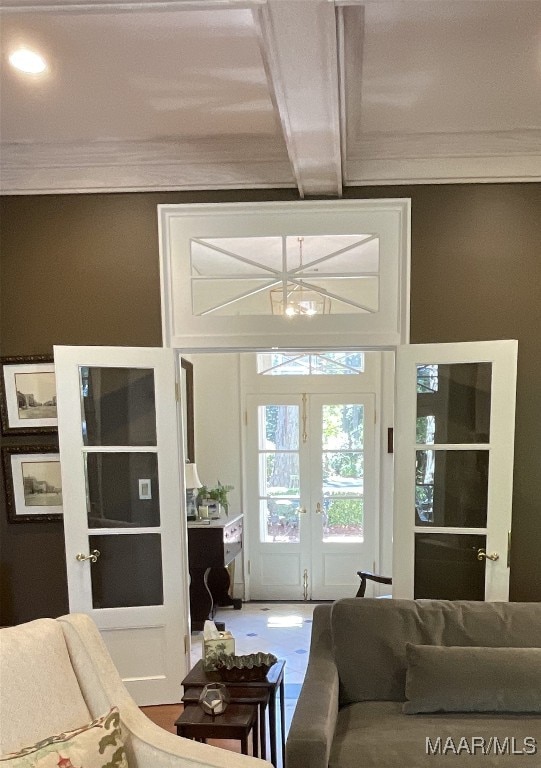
[{"x": 40, "y": 695}]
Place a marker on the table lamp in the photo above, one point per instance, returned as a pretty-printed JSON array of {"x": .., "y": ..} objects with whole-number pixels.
[{"x": 192, "y": 483}]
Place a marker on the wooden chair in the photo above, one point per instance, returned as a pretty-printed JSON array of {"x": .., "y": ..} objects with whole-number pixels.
[{"x": 367, "y": 576}]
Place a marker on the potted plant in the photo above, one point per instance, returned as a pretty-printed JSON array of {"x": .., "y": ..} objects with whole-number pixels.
[{"x": 218, "y": 495}]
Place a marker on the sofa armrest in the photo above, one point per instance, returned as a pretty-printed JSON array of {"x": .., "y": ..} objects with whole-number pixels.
[{"x": 312, "y": 728}]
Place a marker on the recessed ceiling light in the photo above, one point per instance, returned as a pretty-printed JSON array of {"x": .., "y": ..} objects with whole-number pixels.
[{"x": 27, "y": 61}]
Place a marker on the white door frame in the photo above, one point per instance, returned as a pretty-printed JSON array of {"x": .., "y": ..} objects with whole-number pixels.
[{"x": 369, "y": 383}]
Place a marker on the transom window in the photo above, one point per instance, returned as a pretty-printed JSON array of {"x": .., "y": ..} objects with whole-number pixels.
[
  {"x": 286, "y": 275},
  {"x": 312, "y": 364},
  {"x": 292, "y": 275}
]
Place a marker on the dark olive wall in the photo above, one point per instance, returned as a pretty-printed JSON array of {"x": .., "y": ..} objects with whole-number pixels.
[
  {"x": 83, "y": 269},
  {"x": 476, "y": 275},
  {"x": 74, "y": 269}
]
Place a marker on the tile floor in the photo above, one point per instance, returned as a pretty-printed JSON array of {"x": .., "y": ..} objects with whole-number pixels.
[{"x": 280, "y": 628}]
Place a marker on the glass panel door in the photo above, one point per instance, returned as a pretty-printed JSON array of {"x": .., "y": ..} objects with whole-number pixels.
[
  {"x": 454, "y": 459},
  {"x": 122, "y": 484},
  {"x": 343, "y": 509},
  {"x": 311, "y": 467},
  {"x": 342, "y": 465},
  {"x": 279, "y": 476},
  {"x": 276, "y": 465},
  {"x": 125, "y": 548}
]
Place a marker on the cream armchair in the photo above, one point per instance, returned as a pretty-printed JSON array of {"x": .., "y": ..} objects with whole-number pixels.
[{"x": 57, "y": 675}]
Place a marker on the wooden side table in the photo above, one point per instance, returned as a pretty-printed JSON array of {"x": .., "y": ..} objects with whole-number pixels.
[
  {"x": 235, "y": 723},
  {"x": 266, "y": 689},
  {"x": 258, "y": 697}
]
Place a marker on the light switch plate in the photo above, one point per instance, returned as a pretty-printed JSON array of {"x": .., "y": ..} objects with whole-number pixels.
[{"x": 145, "y": 489}]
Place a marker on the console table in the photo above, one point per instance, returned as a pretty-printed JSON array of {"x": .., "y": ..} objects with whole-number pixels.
[{"x": 212, "y": 546}]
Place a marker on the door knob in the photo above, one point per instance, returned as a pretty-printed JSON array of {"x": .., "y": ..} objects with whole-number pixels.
[
  {"x": 482, "y": 555},
  {"x": 318, "y": 509},
  {"x": 93, "y": 556},
  {"x": 302, "y": 510}
]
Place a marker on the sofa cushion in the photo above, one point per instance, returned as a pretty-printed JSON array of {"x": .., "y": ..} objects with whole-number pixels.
[
  {"x": 37, "y": 677},
  {"x": 459, "y": 679},
  {"x": 377, "y": 735},
  {"x": 95, "y": 745},
  {"x": 369, "y": 637}
]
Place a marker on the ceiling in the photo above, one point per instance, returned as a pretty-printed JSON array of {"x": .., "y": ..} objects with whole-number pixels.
[{"x": 309, "y": 94}]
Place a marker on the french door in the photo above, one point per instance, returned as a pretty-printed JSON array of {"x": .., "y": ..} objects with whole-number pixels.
[
  {"x": 311, "y": 491},
  {"x": 455, "y": 416},
  {"x": 118, "y": 424}
]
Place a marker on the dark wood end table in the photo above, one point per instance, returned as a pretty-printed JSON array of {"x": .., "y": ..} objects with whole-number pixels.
[
  {"x": 261, "y": 692},
  {"x": 235, "y": 723}
]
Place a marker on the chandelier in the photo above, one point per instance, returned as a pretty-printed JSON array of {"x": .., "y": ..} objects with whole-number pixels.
[{"x": 296, "y": 299}]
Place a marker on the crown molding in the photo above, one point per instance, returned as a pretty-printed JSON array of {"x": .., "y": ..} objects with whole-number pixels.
[
  {"x": 428, "y": 158},
  {"x": 113, "y": 166},
  {"x": 105, "y": 6}
]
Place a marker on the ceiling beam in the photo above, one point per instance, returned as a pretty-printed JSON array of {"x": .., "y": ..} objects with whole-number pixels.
[{"x": 300, "y": 51}]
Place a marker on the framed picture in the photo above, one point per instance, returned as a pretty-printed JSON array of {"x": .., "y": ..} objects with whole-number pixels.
[
  {"x": 33, "y": 483},
  {"x": 27, "y": 395}
]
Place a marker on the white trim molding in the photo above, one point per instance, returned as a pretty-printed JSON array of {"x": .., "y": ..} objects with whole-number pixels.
[
  {"x": 428, "y": 158},
  {"x": 185, "y": 327},
  {"x": 236, "y": 162}
]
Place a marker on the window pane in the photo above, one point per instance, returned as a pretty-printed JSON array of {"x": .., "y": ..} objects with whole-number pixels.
[
  {"x": 337, "y": 363},
  {"x": 343, "y": 519},
  {"x": 279, "y": 427},
  {"x": 281, "y": 474},
  {"x": 113, "y": 582},
  {"x": 447, "y": 568},
  {"x": 123, "y": 490},
  {"x": 342, "y": 472},
  {"x": 343, "y": 427},
  {"x": 427, "y": 378},
  {"x": 453, "y": 403},
  {"x": 286, "y": 275},
  {"x": 321, "y": 363},
  {"x": 451, "y": 488},
  {"x": 280, "y": 518},
  {"x": 118, "y": 406}
]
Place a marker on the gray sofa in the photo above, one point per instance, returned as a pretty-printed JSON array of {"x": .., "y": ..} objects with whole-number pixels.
[{"x": 469, "y": 672}]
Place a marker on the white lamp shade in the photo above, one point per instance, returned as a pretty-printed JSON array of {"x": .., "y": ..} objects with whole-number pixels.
[{"x": 191, "y": 477}]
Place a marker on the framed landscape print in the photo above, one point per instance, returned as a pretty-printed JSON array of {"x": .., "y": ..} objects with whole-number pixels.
[
  {"x": 28, "y": 395},
  {"x": 33, "y": 483}
]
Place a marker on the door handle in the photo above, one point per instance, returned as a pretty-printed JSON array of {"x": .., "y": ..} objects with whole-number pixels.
[
  {"x": 302, "y": 510},
  {"x": 93, "y": 556},
  {"x": 318, "y": 509},
  {"x": 482, "y": 555}
]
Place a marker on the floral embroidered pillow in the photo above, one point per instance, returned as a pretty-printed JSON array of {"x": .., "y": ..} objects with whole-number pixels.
[{"x": 96, "y": 745}]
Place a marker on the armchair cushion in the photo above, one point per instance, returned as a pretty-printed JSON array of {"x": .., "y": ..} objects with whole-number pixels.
[
  {"x": 462, "y": 679},
  {"x": 95, "y": 745},
  {"x": 37, "y": 677}
]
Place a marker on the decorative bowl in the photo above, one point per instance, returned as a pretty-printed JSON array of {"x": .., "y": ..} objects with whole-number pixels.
[{"x": 253, "y": 666}]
